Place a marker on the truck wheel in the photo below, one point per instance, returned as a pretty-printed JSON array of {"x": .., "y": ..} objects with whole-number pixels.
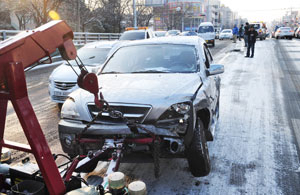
[{"x": 197, "y": 153}]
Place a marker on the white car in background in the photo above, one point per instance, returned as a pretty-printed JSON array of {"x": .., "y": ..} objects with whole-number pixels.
[
  {"x": 207, "y": 32},
  {"x": 63, "y": 79},
  {"x": 284, "y": 32},
  {"x": 226, "y": 34}
]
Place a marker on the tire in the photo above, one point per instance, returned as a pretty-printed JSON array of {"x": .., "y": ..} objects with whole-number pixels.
[
  {"x": 213, "y": 43},
  {"x": 277, "y": 37},
  {"x": 197, "y": 153},
  {"x": 59, "y": 105},
  {"x": 260, "y": 38}
]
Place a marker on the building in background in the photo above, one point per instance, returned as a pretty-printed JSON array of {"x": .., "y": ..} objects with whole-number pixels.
[{"x": 186, "y": 15}]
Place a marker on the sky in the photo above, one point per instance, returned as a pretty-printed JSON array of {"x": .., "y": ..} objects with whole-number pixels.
[{"x": 262, "y": 10}]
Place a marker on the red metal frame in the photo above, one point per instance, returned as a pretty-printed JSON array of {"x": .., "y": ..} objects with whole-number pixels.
[{"x": 16, "y": 54}]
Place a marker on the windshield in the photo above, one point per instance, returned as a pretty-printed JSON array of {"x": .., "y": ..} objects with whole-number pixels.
[
  {"x": 256, "y": 26},
  {"x": 91, "y": 56},
  {"x": 205, "y": 29},
  {"x": 162, "y": 58},
  {"x": 226, "y": 31},
  {"x": 129, "y": 35},
  {"x": 160, "y": 33},
  {"x": 173, "y": 32}
]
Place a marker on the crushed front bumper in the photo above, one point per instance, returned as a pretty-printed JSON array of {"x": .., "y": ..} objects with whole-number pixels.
[{"x": 68, "y": 130}]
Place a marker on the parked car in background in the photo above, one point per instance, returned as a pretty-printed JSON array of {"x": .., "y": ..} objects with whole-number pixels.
[
  {"x": 206, "y": 30},
  {"x": 63, "y": 79},
  {"x": 131, "y": 34},
  {"x": 189, "y": 33},
  {"x": 297, "y": 33},
  {"x": 171, "y": 89},
  {"x": 173, "y": 33},
  {"x": 275, "y": 29},
  {"x": 261, "y": 30},
  {"x": 160, "y": 33},
  {"x": 226, "y": 34},
  {"x": 284, "y": 32}
]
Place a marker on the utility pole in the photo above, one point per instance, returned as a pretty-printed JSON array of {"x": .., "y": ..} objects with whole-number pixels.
[
  {"x": 78, "y": 16},
  {"x": 134, "y": 14},
  {"x": 208, "y": 11}
]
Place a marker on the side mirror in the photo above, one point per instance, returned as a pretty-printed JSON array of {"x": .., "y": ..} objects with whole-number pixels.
[{"x": 215, "y": 69}]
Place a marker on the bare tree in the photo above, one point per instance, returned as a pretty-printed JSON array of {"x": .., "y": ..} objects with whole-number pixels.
[
  {"x": 40, "y": 10},
  {"x": 111, "y": 13}
]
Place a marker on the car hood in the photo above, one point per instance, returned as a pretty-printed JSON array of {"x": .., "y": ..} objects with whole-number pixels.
[
  {"x": 207, "y": 36},
  {"x": 158, "y": 90},
  {"x": 67, "y": 74}
]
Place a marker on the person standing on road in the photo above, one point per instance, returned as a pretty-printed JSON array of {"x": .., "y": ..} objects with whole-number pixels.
[
  {"x": 252, "y": 35},
  {"x": 235, "y": 32},
  {"x": 246, "y": 29},
  {"x": 241, "y": 31}
]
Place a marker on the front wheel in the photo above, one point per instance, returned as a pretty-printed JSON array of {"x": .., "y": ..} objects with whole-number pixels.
[{"x": 197, "y": 153}]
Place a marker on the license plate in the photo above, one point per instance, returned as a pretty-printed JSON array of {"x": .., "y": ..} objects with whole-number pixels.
[{"x": 58, "y": 93}]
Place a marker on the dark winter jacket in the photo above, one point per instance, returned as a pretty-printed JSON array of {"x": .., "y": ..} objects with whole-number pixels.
[
  {"x": 252, "y": 36},
  {"x": 246, "y": 29}
]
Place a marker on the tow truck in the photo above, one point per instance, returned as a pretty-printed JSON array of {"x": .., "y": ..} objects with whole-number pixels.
[{"x": 17, "y": 54}]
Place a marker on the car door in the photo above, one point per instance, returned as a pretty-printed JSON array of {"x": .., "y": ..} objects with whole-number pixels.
[{"x": 213, "y": 90}]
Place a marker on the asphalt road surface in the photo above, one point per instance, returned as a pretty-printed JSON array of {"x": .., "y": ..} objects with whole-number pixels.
[{"x": 255, "y": 150}]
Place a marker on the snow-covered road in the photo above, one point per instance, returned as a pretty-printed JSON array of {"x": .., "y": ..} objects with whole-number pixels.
[{"x": 255, "y": 150}]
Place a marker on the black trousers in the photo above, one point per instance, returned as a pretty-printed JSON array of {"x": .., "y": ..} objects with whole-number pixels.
[{"x": 251, "y": 45}]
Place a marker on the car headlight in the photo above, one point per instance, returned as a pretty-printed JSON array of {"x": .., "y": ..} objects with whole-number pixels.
[
  {"x": 176, "y": 111},
  {"x": 69, "y": 110},
  {"x": 181, "y": 108}
]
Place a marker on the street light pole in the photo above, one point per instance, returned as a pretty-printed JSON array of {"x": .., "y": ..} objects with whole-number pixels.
[{"x": 134, "y": 14}]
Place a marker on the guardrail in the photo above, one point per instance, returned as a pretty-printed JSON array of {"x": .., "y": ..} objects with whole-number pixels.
[{"x": 80, "y": 38}]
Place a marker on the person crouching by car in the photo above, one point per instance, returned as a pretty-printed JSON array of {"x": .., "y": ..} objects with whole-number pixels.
[
  {"x": 252, "y": 34},
  {"x": 235, "y": 32}
]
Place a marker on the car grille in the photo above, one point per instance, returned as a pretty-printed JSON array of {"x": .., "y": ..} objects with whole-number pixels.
[
  {"x": 64, "y": 85},
  {"x": 59, "y": 98},
  {"x": 135, "y": 112}
]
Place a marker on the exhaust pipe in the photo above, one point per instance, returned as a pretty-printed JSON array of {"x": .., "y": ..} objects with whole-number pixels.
[{"x": 175, "y": 145}]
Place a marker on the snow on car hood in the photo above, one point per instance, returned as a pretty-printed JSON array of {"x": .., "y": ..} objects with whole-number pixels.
[
  {"x": 147, "y": 88},
  {"x": 66, "y": 73},
  {"x": 158, "y": 90}
]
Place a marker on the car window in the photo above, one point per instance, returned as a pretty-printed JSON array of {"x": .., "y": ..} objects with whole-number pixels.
[
  {"x": 205, "y": 29},
  {"x": 132, "y": 35},
  {"x": 166, "y": 58},
  {"x": 91, "y": 56},
  {"x": 286, "y": 28},
  {"x": 208, "y": 57},
  {"x": 256, "y": 26}
]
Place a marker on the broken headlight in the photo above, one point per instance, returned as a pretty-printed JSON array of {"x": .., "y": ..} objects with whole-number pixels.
[
  {"x": 176, "y": 111},
  {"x": 181, "y": 108}
]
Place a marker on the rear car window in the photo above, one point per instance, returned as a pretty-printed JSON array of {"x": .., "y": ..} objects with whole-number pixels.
[
  {"x": 132, "y": 35},
  {"x": 164, "y": 58},
  {"x": 286, "y": 28}
]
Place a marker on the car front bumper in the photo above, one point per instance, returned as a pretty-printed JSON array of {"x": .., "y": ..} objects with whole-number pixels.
[{"x": 68, "y": 130}]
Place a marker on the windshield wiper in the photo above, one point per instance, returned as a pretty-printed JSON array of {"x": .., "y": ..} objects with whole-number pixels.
[{"x": 151, "y": 71}]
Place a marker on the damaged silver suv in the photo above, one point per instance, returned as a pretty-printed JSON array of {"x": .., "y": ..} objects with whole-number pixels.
[{"x": 167, "y": 86}]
